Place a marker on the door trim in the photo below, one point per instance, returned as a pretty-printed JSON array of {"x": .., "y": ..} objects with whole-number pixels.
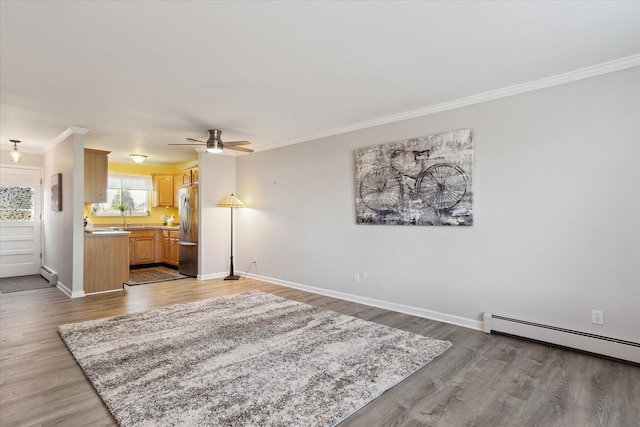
[{"x": 38, "y": 211}]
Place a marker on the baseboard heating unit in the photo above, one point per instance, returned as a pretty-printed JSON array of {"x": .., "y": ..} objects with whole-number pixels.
[
  {"x": 598, "y": 344},
  {"x": 49, "y": 274}
]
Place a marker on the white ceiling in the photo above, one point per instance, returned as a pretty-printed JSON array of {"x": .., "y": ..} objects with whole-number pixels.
[{"x": 141, "y": 75}]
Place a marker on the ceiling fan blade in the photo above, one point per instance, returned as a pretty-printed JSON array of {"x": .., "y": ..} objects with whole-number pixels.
[
  {"x": 233, "y": 147},
  {"x": 214, "y": 141}
]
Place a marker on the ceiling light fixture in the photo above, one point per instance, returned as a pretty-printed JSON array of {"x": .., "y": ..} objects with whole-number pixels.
[
  {"x": 15, "y": 155},
  {"x": 214, "y": 143},
  {"x": 138, "y": 158},
  {"x": 214, "y": 147}
]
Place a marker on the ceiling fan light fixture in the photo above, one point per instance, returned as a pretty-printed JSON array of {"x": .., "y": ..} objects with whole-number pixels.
[
  {"x": 138, "y": 158},
  {"x": 14, "y": 154},
  {"x": 214, "y": 147}
]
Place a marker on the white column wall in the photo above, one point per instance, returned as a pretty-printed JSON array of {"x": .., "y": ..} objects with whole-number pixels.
[{"x": 217, "y": 179}]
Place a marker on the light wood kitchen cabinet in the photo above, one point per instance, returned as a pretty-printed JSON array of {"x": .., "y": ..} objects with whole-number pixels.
[
  {"x": 163, "y": 190},
  {"x": 190, "y": 176},
  {"x": 142, "y": 247},
  {"x": 174, "y": 248},
  {"x": 186, "y": 177},
  {"x": 164, "y": 257},
  {"x": 132, "y": 250},
  {"x": 183, "y": 179},
  {"x": 170, "y": 247},
  {"x": 177, "y": 185},
  {"x": 105, "y": 262},
  {"x": 96, "y": 173}
]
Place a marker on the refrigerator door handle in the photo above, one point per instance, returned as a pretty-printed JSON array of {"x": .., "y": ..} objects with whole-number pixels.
[{"x": 188, "y": 244}]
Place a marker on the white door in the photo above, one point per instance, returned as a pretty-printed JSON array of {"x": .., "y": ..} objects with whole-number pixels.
[{"x": 20, "y": 221}]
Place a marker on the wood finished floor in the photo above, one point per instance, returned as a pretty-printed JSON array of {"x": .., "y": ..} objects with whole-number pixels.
[{"x": 483, "y": 380}]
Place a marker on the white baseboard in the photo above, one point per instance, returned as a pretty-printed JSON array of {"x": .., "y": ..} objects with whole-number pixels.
[
  {"x": 106, "y": 292},
  {"x": 400, "y": 308},
  {"x": 212, "y": 276},
  {"x": 68, "y": 292}
]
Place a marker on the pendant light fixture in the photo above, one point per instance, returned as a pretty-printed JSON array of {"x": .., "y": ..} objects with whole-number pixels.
[{"x": 14, "y": 154}]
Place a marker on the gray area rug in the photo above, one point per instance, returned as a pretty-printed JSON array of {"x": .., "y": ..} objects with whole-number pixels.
[
  {"x": 248, "y": 359},
  {"x": 142, "y": 276},
  {"x": 22, "y": 283}
]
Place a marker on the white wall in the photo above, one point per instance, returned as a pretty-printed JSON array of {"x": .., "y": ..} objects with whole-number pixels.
[
  {"x": 63, "y": 231},
  {"x": 556, "y": 201},
  {"x": 217, "y": 179}
]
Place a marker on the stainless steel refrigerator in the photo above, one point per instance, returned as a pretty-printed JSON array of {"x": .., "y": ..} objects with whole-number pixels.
[{"x": 188, "y": 224}]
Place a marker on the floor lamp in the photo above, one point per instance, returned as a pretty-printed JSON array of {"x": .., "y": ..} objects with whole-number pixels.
[{"x": 231, "y": 201}]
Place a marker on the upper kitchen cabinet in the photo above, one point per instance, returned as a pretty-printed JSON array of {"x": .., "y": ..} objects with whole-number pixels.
[
  {"x": 96, "y": 172},
  {"x": 183, "y": 179},
  {"x": 190, "y": 176},
  {"x": 177, "y": 185},
  {"x": 163, "y": 190},
  {"x": 186, "y": 177}
]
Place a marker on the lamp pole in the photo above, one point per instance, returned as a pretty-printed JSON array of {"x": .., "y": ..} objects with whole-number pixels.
[
  {"x": 231, "y": 201},
  {"x": 231, "y": 276}
]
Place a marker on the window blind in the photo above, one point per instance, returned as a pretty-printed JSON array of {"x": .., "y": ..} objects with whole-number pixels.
[{"x": 130, "y": 182}]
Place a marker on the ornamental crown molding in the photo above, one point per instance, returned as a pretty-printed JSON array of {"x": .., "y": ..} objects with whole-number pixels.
[
  {"x": 560, "y": 79},
  {"x": 70, "y": 131}
]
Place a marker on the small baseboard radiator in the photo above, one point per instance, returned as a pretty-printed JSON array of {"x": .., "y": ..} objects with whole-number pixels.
[
  {"x": 49, "y": 274},
  {"x": 597, "y": 344}
]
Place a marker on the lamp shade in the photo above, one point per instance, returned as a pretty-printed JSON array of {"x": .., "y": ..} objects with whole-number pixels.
[
  {"x": 231, "y": 201},
  {"x": 14, "y": 154}
]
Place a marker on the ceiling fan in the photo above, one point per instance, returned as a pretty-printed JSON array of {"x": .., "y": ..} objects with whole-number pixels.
[{"x": 215, "y": 145}]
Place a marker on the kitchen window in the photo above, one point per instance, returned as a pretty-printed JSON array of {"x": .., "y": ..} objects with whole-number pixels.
[{"x": 126, "y": 192}]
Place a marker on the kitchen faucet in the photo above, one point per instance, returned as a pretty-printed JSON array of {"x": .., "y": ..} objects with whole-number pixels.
[{"x": 124, "y": 215}]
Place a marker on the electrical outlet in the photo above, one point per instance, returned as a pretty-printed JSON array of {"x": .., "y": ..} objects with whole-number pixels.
[
  {"x": 356, "y": 277},
  {"x": 597, "y": 317},
  {"x": 255, "y": 260}
]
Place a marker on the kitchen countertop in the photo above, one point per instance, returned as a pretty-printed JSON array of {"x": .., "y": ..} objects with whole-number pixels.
[
  {"x": 148, "y": 227},
  {"x": 134, "y": 227},
  {"x": 108, "y": 230},
  {"x": 107, "y": 233}
]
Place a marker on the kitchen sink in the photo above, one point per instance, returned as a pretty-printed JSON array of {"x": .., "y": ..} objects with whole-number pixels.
[{"x": 105, "y": 231}]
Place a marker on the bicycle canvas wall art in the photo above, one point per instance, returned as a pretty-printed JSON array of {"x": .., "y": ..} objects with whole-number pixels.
[{"x": 418, "y": 181}]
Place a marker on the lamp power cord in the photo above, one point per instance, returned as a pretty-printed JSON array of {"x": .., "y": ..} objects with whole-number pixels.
[{"x": 250, "y": 265}]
